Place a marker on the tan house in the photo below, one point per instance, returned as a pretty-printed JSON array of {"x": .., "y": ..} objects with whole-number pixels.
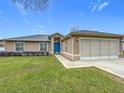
[{"x": 78, "y": 45}]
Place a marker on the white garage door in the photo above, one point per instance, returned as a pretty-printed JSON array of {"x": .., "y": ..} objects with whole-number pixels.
[{"x": 98, "y": 49}]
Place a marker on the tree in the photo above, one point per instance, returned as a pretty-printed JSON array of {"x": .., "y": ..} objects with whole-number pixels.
[{"x": 35, "y": 5}]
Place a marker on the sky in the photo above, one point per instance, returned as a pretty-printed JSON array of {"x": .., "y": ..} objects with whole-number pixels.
[{"x": 61, "y": 16}]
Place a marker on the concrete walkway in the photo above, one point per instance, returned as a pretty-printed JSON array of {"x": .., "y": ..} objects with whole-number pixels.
[{"x": 114, "y": 66}]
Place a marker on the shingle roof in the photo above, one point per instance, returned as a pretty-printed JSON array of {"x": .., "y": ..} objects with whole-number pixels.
[
  {"x": 92, "y": 33},
  {"x": 56, "y": 34},
  {"x": 30, "y": 38}
]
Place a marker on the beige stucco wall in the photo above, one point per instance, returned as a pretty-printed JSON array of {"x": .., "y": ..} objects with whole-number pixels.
[
  {"x": 32, "y": 46},
  {"x": 76, "y": 45},
  {"x": 1, "y": 42},
  {"x": 66, "y": 55},
  {"x": 9, "y": 46},
  {"x": 62, "y": 46},
  {"x": 28, "y": 46},
  {"x": 69, "y": 46}
]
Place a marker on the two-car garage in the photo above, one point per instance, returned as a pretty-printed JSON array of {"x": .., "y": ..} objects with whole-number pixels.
[{"x": 99, "y": 48}]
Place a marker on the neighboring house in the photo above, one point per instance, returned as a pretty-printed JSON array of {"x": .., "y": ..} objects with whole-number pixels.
[{"x": 78, "y": 45}]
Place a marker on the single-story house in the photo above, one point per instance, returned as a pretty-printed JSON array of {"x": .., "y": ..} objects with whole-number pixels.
[{"x": 77, "y": 45}]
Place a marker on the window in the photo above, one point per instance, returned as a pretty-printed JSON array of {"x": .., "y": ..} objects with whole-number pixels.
[
  {"x": 43, "y": 46},
  {"x": 65, "y": 46},
  {"x": 19, "y": 46},
  {"x": 2, "y": 47}
]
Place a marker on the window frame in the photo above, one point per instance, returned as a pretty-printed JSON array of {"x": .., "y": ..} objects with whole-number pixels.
[
  {"x": 66, "y": 46},
  {"x": 43, "y": 46},
  {"x": 23, "y": 47}
]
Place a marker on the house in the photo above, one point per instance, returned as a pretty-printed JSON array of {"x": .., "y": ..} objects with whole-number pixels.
[{"x": 77, "y": 45}]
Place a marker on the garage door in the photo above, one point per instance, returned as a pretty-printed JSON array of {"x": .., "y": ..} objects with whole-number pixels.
[{"x": 98, "y": 49}]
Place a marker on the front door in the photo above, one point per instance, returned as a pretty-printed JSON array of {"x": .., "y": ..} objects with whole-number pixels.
[{"x": 57, "y": 48}]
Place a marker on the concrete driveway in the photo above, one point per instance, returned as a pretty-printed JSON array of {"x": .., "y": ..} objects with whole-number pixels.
[{"x": 114, "y": 66}]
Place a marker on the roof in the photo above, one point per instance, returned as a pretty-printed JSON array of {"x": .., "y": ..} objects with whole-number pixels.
[
  {"x": 92, "y": 34},
  {"x": 56, "y": 34},
  {"x": 30, "y": 38}
]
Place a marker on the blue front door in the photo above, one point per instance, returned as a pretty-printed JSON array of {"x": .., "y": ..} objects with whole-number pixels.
[{"x": 57, "y": 48}]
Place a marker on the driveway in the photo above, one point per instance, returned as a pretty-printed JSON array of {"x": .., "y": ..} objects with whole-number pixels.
[{"x": 114, "y": 66}]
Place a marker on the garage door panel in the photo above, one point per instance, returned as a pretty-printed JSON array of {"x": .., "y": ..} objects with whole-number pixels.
[
  {"x": 95, "y": 48},
  {"x": 114, "y": 48},
  {"x": 85, "y": 49},
  {"x": 104, "y": 49}
]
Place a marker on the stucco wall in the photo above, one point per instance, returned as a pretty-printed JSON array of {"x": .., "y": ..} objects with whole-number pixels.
[
  {"x": 69, "y": 46},
  {"x": 76, "y": 45},
  {"x": 68, "y": 53},
  {"x": 32, "y": 46},
  {"x": 28, "y": 46},
  {"x": 9, "y": 46}
]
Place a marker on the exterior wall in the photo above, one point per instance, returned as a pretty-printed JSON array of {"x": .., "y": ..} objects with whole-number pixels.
[
  {"x": 68, "y": 56},
  {"x": 76, "y": 45},
  {"x": 9, "y": 46},
  {"x": 68, "y": 53},
  {"x": 32, "y": 46},
  {"x": 69, "y": 46},
  {"x": 28, "y": 46},
  {"x": 72, "y": 48},
  {"x": 121, "y": 47},
  {"x": 49, "y": 47},
  {"x": 1, "y": 42}
]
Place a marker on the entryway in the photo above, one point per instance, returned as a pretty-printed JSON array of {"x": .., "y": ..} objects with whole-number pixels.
[{"x": 57, "y": 47}]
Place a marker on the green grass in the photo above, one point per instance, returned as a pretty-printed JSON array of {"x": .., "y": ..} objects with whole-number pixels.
[{"x": 47, "y": 75}]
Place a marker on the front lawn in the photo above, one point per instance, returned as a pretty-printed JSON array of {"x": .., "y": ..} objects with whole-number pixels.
[{"x": 47, "y": 75}]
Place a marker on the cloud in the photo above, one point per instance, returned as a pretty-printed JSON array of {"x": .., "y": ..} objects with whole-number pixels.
[
  {"x": 98, "y": 6},
  {"x": 21, "y": 9},
  {"x": 103, "y": 5},
  {"x": 40, "y": 26},
  {"x": 94, "y": 8}
]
